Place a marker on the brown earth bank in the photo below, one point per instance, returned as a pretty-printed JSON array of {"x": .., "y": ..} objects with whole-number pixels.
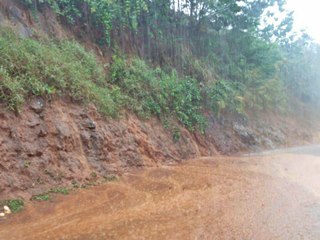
[
  {"x": 275, "y": 196},
  {"x": 59, "y": 143}
]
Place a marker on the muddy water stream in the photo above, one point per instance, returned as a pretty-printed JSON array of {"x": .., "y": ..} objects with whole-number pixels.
[{"x": 273, "y": 196}]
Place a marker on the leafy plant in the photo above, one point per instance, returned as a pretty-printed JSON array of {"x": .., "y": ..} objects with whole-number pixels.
[
  {"x": 30, "y": 67},
  {"x": 226, "y": 96},
  {"x": 153, "y": 92},
  {"x": 15, "y": 205},
  {"x": 41, "y": 197},
  {"x": 176, "y": 135},
  {"x": 103, "y": 13},
  {"x": 60, "y": 190}
]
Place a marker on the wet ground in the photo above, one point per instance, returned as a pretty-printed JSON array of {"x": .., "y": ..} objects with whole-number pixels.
[{"x": 270, "y": 196}]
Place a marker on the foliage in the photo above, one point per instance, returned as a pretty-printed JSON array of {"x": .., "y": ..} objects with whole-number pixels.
[
  {"x": 46, "y": 196},
  {"x": 226, "y": 96},
  {"x": 59, "y": 190},
  {"x": 154, "y": 92},
  {"x": 300, "y": 70},
  {"x": 29, "y": 67},
  {"x": 15, "y": 205},
  {"x": 251, "y": 69},
  {"x": 209, "y": 55},
  {"x": 41, "y": 197},
  {"x": 103, "y": 13}
]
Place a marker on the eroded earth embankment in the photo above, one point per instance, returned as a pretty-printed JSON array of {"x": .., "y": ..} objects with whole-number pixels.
[{"x": 58, "y": 143}]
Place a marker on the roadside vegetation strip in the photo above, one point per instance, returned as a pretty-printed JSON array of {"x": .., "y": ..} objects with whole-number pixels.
[
  {"x": 15, "y": 205},
  {"x": 48, "y": 68},
  {"x": 46, "y": 196},
  {"x": 64, "y": 68}
]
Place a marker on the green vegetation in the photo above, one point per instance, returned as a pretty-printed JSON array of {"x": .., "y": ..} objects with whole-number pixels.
[
  {"x": 29, "y": 67},
  {"x": 15, "y": 205},
  {"x": 226, "y": 96},
  {"x": 46, "y": 196},
  {"x": 41, "y": 197},
  {"x": 105, "y": 14},
  {"x": 153, "y": 92},
  {"x": 194, "y": 58},
  {"x": 60, "y": 190},
  {"x": 111, "y": 178}
]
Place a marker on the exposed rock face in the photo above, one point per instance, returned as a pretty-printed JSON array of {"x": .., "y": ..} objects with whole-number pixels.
[
  {"x": 15, "y": 17},
  {"x": 245, "y": 134},
  {"x": 59, "y": 143},
  {"x": 15, "y": 14},
  {"x": 56, "y": 144},
  {"x": 2, "y": 18}
]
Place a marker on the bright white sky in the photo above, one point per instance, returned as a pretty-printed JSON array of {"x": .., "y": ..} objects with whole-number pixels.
[{"x": 306, "y": 16}]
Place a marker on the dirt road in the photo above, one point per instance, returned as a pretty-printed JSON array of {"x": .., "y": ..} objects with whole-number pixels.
[{"x": 271, "y": 196}]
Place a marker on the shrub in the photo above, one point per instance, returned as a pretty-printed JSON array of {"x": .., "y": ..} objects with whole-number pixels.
[
  {"x": 226, "y": 96},
  {"x": 30, "y": 67},
  {"x": 153, "y": 92},
  {"x": 15, "y": 205}
]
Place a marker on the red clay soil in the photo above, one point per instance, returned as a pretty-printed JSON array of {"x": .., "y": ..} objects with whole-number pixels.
[
  {"x": 62, "y": 142},
  {"x": 272, "y": 197}
]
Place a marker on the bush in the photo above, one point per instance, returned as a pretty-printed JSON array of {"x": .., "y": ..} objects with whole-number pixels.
[
  {"x": 152, "y": 92},
  {"x": 15, "y": 205},
  {"x": 30, "y": 67},
  {"x": 226, "y": 96}
]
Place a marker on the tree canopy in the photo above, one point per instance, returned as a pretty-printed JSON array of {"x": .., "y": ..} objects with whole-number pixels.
[{"x": 245, "y": 45}]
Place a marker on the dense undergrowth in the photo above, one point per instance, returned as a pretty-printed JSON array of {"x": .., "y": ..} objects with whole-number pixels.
[
  {"x": 221, "y": 56},
  {"x": 44, "y": 68},
  {"x": 29, "y": 67}
]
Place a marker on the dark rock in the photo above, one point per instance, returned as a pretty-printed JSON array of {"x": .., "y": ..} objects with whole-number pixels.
[
  {"x": 15, "y": 14},
  {"x": 24, "y": 32},
  {"x": 35, "y": 154},
  {"x": 246, "y": 134},
  {"x": 32, "y": 150},
  {"x": 13, "y": 133},
  {"x": 88, "y": 123},
  {"x": 37, "y": 105},
  {"x": 42, "y": 133},
  {"x": 1, "y": 17},
  {"x": 268, "y": 143}
]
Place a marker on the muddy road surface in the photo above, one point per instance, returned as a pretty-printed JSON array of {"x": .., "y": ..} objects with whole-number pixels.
[{"x": 275, "y": 195}]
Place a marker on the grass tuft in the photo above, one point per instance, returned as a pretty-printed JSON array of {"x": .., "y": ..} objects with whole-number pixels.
[{"x": 15, "y": 205}]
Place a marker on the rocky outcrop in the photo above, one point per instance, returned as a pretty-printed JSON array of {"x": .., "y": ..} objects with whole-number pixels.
[
  {"x": 61, "y": 143},
  {"x": 55, "y": 143}
]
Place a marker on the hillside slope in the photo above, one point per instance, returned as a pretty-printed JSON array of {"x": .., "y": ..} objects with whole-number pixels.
[
  {"x": 59, "y": 141},
  {"x": 62, "y": 144}
]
